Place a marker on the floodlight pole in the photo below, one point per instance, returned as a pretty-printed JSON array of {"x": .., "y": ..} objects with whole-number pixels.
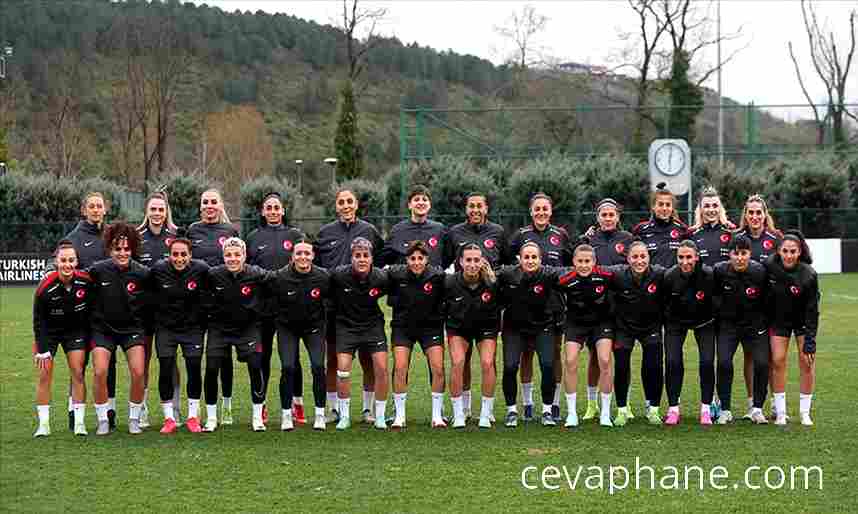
[
  {"x": 332, "y": 162},
  {"x": 720, "y": 100},
  {"x": 300, "y": 164}
]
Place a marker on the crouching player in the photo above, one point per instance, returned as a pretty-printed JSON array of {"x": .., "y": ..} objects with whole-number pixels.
[{"x": 61, "y": 317}]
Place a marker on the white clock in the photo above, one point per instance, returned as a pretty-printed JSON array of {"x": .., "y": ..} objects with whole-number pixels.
[
  {"x": 670, "y": 159},
  {"x": 670, "y": 162}
]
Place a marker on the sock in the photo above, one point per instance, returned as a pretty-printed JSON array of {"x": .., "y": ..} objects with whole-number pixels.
[
  {"x": 527, "y": 393},
  {"x": 704, "y": 407},
  {"x": 367, "y": 400},
  {"x": 111, "y": 402},
  {"x": 755, "y": 410},
  {"x": 257, "y": 410},
  {"x": 320, "y": 411},
  {"x": 101, "y": 411},
  {"x": 332, "y": 400},
  {"x": 437, "y": 405},
  {"x": 345, "y": 405},
  {"x": 211, "y": 412},
  {"x": 79, "y": 413},
  {"x": 605, "y": 411},
  {"x": 193, "y": 408},
  {"x": 571, "y": 402},
  {"x": 297, "y": 400},
  {"x": 511, "y": 408},
  {"x": 466, "y": 401},
  {"x": 167, "y": 407},
  {"x": 399, "y": 403},
  {"x": 71, "y": 403},
  {"x": 488, "y": 406},
  {"x": 286, "y": 413},
  {"x": 780, "y": 403},
  {"x": 134, "y": 410},
  {"x": 804, "y": 403},
  {"x": 592, "y": 393},
  {"x": 44, "y": 414},
  {"x": 546, "y": 408},
  {"x": 458, "y": 408},
  {"x": 145, "y": 394},
  {"x": 381, "y": 406},
  {"x": 646, "y": 404},
  {"x": 750, "y": 403},
  {"x": 227, "y": 402},
  {"x": 557, "y": 388}
]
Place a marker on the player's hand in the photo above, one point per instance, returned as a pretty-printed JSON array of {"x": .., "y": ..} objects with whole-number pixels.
[{"x": 42, "y": 360}]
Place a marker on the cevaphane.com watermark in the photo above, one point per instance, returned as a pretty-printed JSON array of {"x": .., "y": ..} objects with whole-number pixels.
[{"x": 618, "y": 478}]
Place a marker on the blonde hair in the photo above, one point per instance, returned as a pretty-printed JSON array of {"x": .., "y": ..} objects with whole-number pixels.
[
  {"x": 158, "y": 195},
  {"x": 235, "y": 242},
  {"x": 709, "y": 192},
  {"x": 224, "y": 217},
  {"x": 768, "y": 221}
]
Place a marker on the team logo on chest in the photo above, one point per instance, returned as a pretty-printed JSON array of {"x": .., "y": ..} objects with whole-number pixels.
[
  {"x": 131, "y": 287},
  {"x": 168, "y": 241},
  {"x": 287, "y": 245},
  {"x": 374, "y": 292},
  {"x": 315, "y": 293},
  {"x": 752, "y": 292},
  {"x": 486, "y": 297},
  {"x": 600, "y": 289},
  {"x": 554, "y": 240},
  {"x": 80, "y": 293},
  {"x": 700, "y": 296},
  {"x": 620, "y": 248},
  {"x": 221, "y": 240},
  {"x": 433, "y": 241},
  {"x": 246, "y": 290},
  {"x": 192, "y": 285},
  {"x": 768, "y": 244},
  {"x": 725, "y": 238},
  {"x": 794, "y": 290},
  {"x": 652, "y": 288},
  {"x": 489, "y": 243},
  {"x": 427, "y": 287},
  {"x": 538, "y": 289},
  {"x": 674, "y": 234}
]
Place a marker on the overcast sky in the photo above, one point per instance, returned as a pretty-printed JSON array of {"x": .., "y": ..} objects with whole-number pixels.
[{"x": 587, "y": 32}]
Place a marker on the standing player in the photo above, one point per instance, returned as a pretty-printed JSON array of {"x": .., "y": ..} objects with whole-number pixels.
[
  {"x": 332, "y": 249},
  {"x": 526, "y": 292},
  {"x": 61, "y": 317},
  {"x": 491, "y": 238},
  {"x": 239, "y": 292},
  {"x": 472, "y": 317},
  {"x": 759, "y": 227},
  {"x": 711, "y": 231},
  {"x": 793, "y": 311},
  {"x": 359, "y": 323},
  {"x": 119, "y": 287},
  {"x": 300, "y": 290},
  {"x": 556, "y": 247},
  {"x": 89, "y": 245},
  {"x": 638, "y": 297},
  {"x": 178, "y": 287},
  {"x": 609, "y": 241},
  {"x": 740, "y": 289},
  {"x": 588, "y": 322},
  {"x": 270, "y": 247},
  {"x": 418, "y": 227},
  {"x": 207, "y": 237},
  {"x": 417, "y": 298},
  {"x": 663, "y": 232},
  {"x": 156, "y": 233},
  {"x": 689, "y": 288}
]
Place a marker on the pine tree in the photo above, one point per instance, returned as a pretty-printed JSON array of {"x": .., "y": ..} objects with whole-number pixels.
[
  {"x": 685, "y": 94},
  {"x": 350, "y": 157}
]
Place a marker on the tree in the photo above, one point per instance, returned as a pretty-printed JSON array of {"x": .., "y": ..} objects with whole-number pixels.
[
  {"x": 685, "y": 94},
  {"x": 350, "y": 163},
  {"x": 832, "y": 68},
  {"x": 355, "y": 19},
  {"x": 521, "y": 30}
]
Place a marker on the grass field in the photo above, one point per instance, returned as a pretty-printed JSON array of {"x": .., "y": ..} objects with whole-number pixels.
[{"x": 236, "y": 470}]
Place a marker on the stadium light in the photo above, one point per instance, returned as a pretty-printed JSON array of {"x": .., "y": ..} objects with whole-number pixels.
[
  {"x": 300, "y": 164},
  {"x": 332, "y": 162}
]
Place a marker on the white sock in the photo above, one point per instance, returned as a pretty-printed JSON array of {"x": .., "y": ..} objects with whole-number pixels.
[
  {"x": 71, "y": 403},
  {"x": 320, "y": 411},
  {"x": 399, "y": 403},
  {"x": 257, "y": 410},
  {"x": 571, "y": 402},
  {"x": 511, "y": 408},
  {"x": 344, "y": 406},
  {"x": 437, "y": 405},
  {"x": 466, "y": 400},
  {"x": 167, "y": 407},
  {"x": 79, "y": 413},
  {"x": 227, "y": 402},
  {"x": 44, "y": 414},
  {"x": 101, "y": 411},
  {"x": 193, "y": 408},
  {"x": 458, "y": 408},
  {"x": 804, "y": 403},
  {"x": 592, "y": 393},
  {"x": 488, "y": 406},
  {"x": 704, "y": 407},
  {"x": 111, "y": 402},
  {"x": 780, "y": 403},
  {"x": 755, "y": 410},
  {"x": 134, "y": 410},
  {"x": 298, "y": 400},
  {"x": 332, "y": 400},
  {"x": 211, "y": 412},
  {"x": 381, "y": 406},
  {"x": 367, "y": 400},
  {"x": 646, "y": 404},
  {"x": 286, "y": 413},
  {"x": 750, "y": 403},
  {"x": 606, "y": 405},
  {"x": 557, "y": 388},
  {"x": 546, "y": 408},
  {"x": 527, "y": 393}
]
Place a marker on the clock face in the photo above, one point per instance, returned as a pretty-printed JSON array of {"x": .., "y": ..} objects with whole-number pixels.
[{"x": 670, "y": 159}]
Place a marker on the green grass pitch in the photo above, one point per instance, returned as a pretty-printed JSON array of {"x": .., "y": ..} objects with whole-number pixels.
[{"x": 236, "y": 470}]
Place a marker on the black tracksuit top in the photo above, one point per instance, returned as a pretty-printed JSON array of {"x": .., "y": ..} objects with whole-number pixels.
[
  {"x": 355, "y": 301},
  {"x": 662, "y": 239},
  {"x": 793, "y": 299},
  {"x": 490, "y": 237},
  {"x": 610, "y": 246},
  {"x": 417, "y": 301},
  {"x": 712, "y": 240},
  {"x": 554, "y": 242},
  {"x": 207, "y": 240},
  {"x": 270, "y": 246},
  {"x": 587, "y": 299},
  {"x": 689, "y": 298},
  {"x": 471, "y": 309},
  {"x": 154, "y": 247},
  {"x": 179, "y": 299},
  {"x": 333, "y": 246},
  {"x": 299, "y": 298},
  {"x": 406, "y": 231},
  {"x": 61, "y": 314},
  {"x": 238, "y": 299},
  {"x": 764, "y": 246},
  {"x": 88, "y": 243},
  {"x": 638, "y": 303},
  {"x": 740, "y": 297},
  {"x": 119, "y": 296},
  {"x": 527, "y": 296}
]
